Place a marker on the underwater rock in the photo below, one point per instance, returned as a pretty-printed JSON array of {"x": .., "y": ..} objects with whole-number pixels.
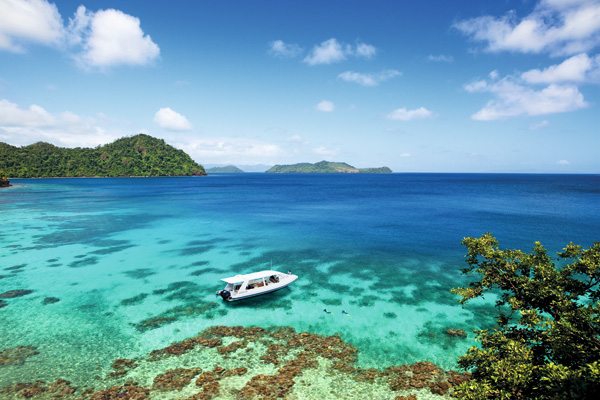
[
  {"x": 175, "y": 379},
  {"x": 60, "y": 389},
  {"x": 209, "y": 391},
  {"x": 11, "y": 294},
  {"x": 50, "y": 300},
  {"x": 3, "y": 303},
  {"x": 122, "y": 366},
  {"x": 456, "y": 332},
  {"x": 129, "y": 391},
  {"x": 16, "y": 355},
  {"x": 232, "y": 347}
]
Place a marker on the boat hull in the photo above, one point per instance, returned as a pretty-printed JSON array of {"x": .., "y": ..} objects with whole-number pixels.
[{"x": 260, "y": 293}]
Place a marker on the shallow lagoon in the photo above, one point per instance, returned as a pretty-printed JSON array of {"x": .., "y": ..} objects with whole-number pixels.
[{"x": 120, "y": 267}]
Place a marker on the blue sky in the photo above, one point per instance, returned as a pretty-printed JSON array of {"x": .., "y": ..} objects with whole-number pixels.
[{"x": 429, "y": 86}]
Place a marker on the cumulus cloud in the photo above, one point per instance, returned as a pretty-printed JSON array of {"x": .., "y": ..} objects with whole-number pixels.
[
  {"x": 11, "y": 115},
  {"x": 514, "y": 99},
  {"x": 279, "y": 48},
  {"x": 24, "y": 126},
  {"x": 440, "y": 58},
  {"x": 402, "y": 114},
  {"x": 563, "y": 162},
  {"x": 578, "y": 68},
  {"x": 171, "y": 120},
  {"x": 372, "y": 79},
  {"x": 99, "y": 39},
  {"x": 110, "y": 38},
  {"x": 365, "y": 50},
  {"x": 558, "y": 27},
  {"x": 331, "y": 51},
  {"x": 229, "y": 150},
  {"x": 325, "y": 106},
  {"x": 29, "y": 21}
]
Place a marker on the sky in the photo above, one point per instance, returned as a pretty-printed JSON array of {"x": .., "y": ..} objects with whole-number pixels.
[{"x": 427, "y": 86}]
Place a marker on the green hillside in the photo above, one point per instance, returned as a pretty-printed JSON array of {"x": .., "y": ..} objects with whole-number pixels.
[
  {"x": 139, "y": 155},
  {"x": 326, "y": 167},
  {"x": 229, "y": 169}
]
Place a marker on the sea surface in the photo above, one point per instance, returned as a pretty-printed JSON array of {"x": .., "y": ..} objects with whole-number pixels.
[{"x": 119, "y": 267}]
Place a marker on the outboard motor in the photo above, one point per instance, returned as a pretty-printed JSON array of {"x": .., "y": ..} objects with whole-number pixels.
[{"x": 225, "y": 294}]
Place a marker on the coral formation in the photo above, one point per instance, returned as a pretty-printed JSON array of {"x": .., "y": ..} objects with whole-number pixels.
[
  {"x": 274, "y": 363},
  {"x": 16, "y": 355},
  {"x": 11, "y": 294}
]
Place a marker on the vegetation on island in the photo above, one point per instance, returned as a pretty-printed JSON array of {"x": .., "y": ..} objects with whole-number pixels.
[
  {"x": 229, "y": 169},
  {"x": 4, "y": 182},
  {"x": 547, "y": 342},
  {"x": 139, "y": 155},
  {"x": 325, "y": 167}
]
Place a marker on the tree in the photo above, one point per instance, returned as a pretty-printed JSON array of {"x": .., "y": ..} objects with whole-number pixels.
[{"x": 547, "y": 342}]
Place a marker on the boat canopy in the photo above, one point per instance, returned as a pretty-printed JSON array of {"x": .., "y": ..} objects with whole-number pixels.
[{"x": 249, "y": 277}]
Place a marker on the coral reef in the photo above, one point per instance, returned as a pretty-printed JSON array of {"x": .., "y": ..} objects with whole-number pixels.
[
  {"x": 16, "y": 355},
  {"x": 241, "y": 363},
  {"x": 11, "y": 294},
  {"x": 50, "y": 300}
]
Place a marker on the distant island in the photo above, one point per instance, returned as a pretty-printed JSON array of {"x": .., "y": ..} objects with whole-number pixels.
[
  {"x": 139, "y": 155},
  {"x": 229, "y": 169},
  {"x": 326, "y": 167}
]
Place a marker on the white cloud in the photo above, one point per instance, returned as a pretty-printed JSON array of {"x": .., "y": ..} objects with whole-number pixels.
[
  {"x": 171, "y": 120},
  {"x": 557, "y": 27},
  {"x": 23, "y": 21},
  {"x": 440, "y": 58},
  {"x": 24, "y": 126},
  {"x": 369, "y": 79},
  {"x": 513, "y": 99},
  {"x": 563, "y": 162},
  {"x": 284, "y": 50},
  {"x": 494, "y": 75},
  {"x": 325, "y": 106},
  {"x": 405, "y": 155},
  {"x": 574, "y": 69},
  {"x": 99, "y": 39},
  {"x": 539, "y": 125},
  {"x": 331, "y": 51},
  {"x": 402, "y": 114},
  {"x": 365, "y": 50},
  {"x": 11, "y": 115},
  {"x": 110, "y": 38},
  {"x": 229, "y": 150}
]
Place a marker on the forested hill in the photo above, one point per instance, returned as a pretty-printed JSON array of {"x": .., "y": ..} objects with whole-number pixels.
[
  {"x": 326, "y": 167},
  {"x": 139, "y": 155}
]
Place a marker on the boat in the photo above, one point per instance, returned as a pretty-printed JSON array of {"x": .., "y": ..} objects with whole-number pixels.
[{"x": 244, "y": 286}]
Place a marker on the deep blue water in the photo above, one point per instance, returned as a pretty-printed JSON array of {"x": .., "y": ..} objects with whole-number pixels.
[{"x": 385, "y": 248}]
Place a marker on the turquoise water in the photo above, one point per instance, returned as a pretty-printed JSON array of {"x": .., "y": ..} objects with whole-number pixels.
[{"x": 135, "y": 262}]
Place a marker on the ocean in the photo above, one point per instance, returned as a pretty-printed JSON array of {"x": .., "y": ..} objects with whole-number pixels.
[{"x": 113, "y": 268}]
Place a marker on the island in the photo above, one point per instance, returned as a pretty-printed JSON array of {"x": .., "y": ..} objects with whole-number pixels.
[
  {"x": 229, "y": 169},
  {"x": 326, "y": 167},
  {"x": 138, "y": 155}
]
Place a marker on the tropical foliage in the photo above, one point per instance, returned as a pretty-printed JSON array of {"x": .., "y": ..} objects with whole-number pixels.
[
  {"x": 326, "y": 167},
  {"x": 547, "y": 343},
  {"x": 139, "y": 155},
  {"x": 229, "y": 169}
]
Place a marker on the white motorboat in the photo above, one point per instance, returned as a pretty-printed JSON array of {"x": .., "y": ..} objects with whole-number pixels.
[{"x": 243, "y": 286}]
